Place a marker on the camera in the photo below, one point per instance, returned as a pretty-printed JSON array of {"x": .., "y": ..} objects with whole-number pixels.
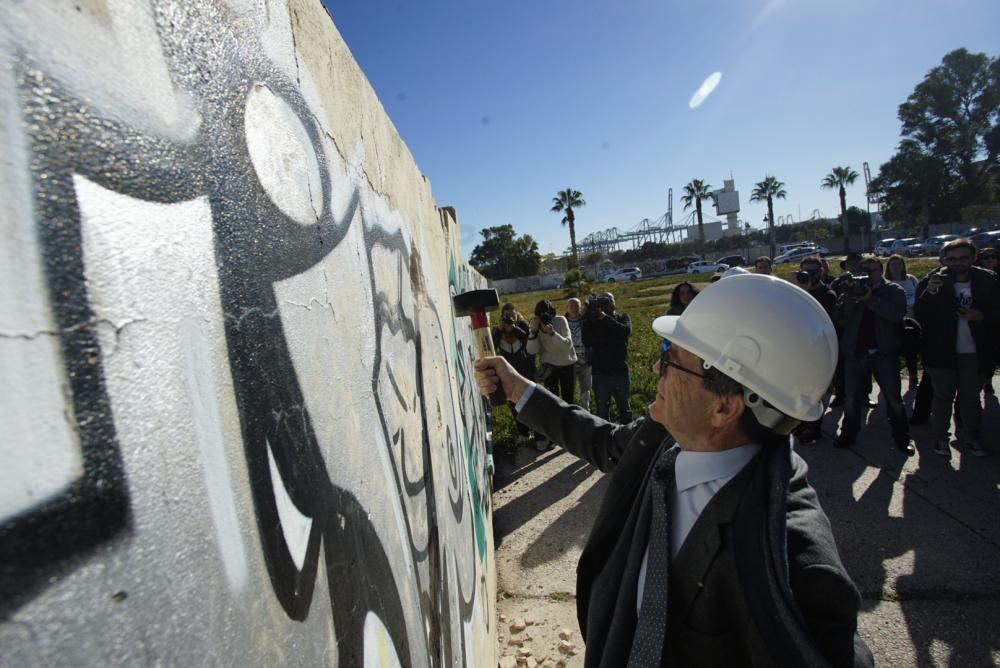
[
  {"x": 852, "y": 285},
  {"x": 595, "y": 304},
  {"x": 806, "y": 277},
  {"x": 545, "y": 318},
  {"x": 508, "y": 320}
]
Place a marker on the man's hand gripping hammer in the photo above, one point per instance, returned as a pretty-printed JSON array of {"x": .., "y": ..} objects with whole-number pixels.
[{"x": 477, "y": 304}]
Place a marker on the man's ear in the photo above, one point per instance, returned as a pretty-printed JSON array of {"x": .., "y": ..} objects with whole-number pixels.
[{"x": 727, "y": 410}]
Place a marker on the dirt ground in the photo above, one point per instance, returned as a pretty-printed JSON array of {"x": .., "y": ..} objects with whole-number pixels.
[{"x": 543, "y": 509}]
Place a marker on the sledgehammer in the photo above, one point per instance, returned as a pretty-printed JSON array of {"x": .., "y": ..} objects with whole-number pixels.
[{"x": 475, "y": 304}]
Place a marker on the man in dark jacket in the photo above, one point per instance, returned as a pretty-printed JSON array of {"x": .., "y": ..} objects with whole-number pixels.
[
  {"x": 871, "y": 335},
  {"x": 709, "y": 521},
  {"x": 606, "y": 333},
  {"x": 958, "y": 307},
  {"x": 810, "y": 278}
]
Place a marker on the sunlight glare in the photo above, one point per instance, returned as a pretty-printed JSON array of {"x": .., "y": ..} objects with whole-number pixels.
[{"x": 705, "y": 90}]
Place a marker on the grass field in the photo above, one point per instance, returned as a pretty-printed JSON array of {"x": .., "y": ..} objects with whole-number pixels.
[{"x": 643, "y": 301}]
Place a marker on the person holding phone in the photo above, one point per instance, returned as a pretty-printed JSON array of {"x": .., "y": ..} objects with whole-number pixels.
[{"x": 958, "y": 307}]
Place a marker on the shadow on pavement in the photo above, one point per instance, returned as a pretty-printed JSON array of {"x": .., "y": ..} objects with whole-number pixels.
[
  {"x": 570, "y": 529},
  {"x": 517, "y": 511},
  {"x": 921, "y": 538},
  {"x": 511, "y": 468}
]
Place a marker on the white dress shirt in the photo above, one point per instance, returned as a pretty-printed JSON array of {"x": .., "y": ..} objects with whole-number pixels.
[
  {"x": 697, "y": 476},
  {"x": 519, "y": 406}
]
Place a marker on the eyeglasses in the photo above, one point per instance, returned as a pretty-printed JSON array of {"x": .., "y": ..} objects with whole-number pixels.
[
  {"x": 960, "y": 258},
  {"x": 666, "y": 362}
]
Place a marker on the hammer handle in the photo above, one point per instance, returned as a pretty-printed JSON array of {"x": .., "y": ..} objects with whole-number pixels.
[{"x": 484, "y": 348}]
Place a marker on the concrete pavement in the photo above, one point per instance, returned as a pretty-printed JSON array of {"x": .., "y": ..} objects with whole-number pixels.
[{"x": 920, "y": 536}]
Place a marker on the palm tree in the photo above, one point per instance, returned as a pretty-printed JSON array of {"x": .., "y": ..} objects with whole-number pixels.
[
  {"x": 694, "y": 192},
  {"x": 566, "y": 200},
  {"x": 840, "y": 178},
  {"x": 766, "y": 191}
]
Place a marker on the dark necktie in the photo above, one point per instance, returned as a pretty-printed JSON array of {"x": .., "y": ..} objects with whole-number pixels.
[{"x": 647, "y": 646}]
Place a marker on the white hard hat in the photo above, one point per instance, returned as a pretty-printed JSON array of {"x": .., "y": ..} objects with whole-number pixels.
[
  {"x": 768, "y": 335},
  {"x": 734, "y": 271}
]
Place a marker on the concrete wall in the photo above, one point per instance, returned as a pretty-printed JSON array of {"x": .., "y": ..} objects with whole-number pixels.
[{"x": 238, "y": 423}]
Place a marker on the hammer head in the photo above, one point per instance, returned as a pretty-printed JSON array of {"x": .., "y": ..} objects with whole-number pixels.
[{"x": 476, "y": 301}]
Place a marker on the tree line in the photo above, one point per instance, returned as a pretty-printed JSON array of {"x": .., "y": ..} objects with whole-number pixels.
[{"x": 945, "y": 168}]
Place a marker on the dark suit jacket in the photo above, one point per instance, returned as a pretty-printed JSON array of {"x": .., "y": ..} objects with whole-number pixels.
[
  {"x": 938, "y": 318},
  {"x": 801, "y": 604}
]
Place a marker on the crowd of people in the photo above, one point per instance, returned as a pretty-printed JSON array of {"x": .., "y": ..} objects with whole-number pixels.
[
  {"x": 887, "y": 319},
  {"x": 584, "y": 350}
]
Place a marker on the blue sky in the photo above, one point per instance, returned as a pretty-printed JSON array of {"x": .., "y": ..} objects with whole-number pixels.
[{"x": 502, "y": 104}]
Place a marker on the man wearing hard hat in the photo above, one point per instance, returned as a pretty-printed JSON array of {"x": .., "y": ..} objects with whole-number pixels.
[{"x": 710, "y": 547}]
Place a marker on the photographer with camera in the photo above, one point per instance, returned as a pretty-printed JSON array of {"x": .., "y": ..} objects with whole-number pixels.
[
  {"x": 870, "y": 311},
  {"x": 575, "y": 319},
  {"x": 809, "y": 277},
  {"x": 958, "y": 307},
  {"x": 850, "y": 266},
  {"x": 606, "y": 333},
  {"x": 548, "y": 335},
  {"x": 510, "y": 340}
]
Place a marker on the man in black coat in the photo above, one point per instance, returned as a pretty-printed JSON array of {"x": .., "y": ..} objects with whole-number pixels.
[
  {"x": 710, "y": 547},
  {"x": 871, "y": 337},
  {"x": 958, "y": 307},
  {"x": 810, "y": 278},
  {"x": 606, "y": 333}
]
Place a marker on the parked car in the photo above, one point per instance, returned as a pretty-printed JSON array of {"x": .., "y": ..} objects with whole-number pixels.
[
  {"x": 785, "y": 248},
  {"x": 626, "y": 274},
  {"x": 882, "y": 247},
  {"x": 796, "y": 254},
  {"x": 984, "y": 239},
  {"x": 906, "y": 247},
  {"x": 733, "y": 261},
  {"x": 932, "y": 245},
  {"x": 706, "y": 267}
]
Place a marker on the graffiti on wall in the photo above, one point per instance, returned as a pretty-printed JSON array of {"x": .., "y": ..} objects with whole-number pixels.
[{"x": 219, "y": 272}]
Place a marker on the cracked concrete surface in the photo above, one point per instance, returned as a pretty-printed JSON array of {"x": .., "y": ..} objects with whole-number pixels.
[
  {"x": 919, "y": 536},
  {"x": 95, "y": 323}
]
